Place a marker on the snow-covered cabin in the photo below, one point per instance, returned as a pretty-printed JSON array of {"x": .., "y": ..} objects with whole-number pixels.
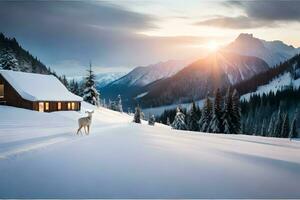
[{"x": 44, "y": 93}]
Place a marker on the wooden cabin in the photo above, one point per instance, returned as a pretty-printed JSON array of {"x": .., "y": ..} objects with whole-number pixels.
[{"x": 44, "y": 93}]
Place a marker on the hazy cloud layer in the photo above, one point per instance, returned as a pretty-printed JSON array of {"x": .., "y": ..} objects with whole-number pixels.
[
  {"x": 60, "y": 32},
  {"x": 240, "y": 22},
  {"x": 257, "y": 14}
]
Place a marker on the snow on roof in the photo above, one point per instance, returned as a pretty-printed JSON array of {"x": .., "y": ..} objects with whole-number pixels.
[{"x": 38, "y": 87}]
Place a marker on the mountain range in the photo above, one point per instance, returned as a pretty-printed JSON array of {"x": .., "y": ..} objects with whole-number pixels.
[
  {"x": 136, "y": 80},
  {"x": 273, "y": 52},
  {"x": 238, "y": 61},
  {"x": 195, "y": 81}
]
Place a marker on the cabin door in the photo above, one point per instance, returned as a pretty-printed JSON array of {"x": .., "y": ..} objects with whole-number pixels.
[{"x": 41, "y": 107}]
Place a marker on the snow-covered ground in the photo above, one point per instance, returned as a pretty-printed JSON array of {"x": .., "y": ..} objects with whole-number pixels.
[{"x": 41, "y": 157}]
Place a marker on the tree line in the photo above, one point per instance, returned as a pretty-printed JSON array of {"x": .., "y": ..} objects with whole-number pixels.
[
  {"x": 273, "y": 114},
  {"x": 220, "y": 114}
]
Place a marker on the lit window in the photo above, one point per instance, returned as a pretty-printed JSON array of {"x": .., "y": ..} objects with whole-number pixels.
[
  {"x": 41, "y": 107},
  {"x": 2, "y": 91},
  {"x": 59, "y": 106},
  {"x": 73, "y": 106},
  {"x": 69, "y": 106},
  {"x": 47, "y": 106}
]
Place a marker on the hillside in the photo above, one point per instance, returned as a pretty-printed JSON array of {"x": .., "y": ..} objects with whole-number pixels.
[
  {"x": 218, "y": 70},
  {"x": 41, "y": 157},
  {"x": 272, "y": 76},
  {"x": 14, "y": 57}
]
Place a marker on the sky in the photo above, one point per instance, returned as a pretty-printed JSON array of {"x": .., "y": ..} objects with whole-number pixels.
[{"x": 120, "y": 35}]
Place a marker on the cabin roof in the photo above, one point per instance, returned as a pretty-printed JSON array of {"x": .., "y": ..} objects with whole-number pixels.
[{"x": 38, "y": 87}]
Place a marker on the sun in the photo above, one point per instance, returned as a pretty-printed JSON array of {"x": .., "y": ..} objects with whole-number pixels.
[{"x": 213, "y": 45}]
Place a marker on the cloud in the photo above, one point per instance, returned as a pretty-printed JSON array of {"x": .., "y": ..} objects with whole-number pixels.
[
  {"x": 72, "y": 13},
  {"x": 67, "y": 35},
  {"x": 239, "y": 22},
  {"x": 257, "y": 14},
  {"x": 271, "y": 10}
]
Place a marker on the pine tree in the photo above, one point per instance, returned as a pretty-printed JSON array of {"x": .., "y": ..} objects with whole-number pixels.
[
  {"x": 179, "y": 121},
  {"x": 271, "y": 125},
  {"x": 285, "y": 130},
  {"x": 76, "y": 88},
  {"x": 236, "y": 113},
  {"x": 65, "y": 82},
  {"x": 263, "y": 128},
  {"x": 119, "y": 104},
  {"x": 278, "y": 124},
  {"x": 227, "y": 114},
  {"x": 137, "y": 115},
  {"x": 72, "y": 86},
  {"x": 168, "y": 121},
  {"x": 151, "y": 121},
  {"x": 246, "y": 125},
  {"x": 8, "y": 60},
  {"x": 192, "y": 121},
  {"x": 90, "y": 93},
  {"x": 216, "y": 125},
  {"x": 293, "y": 132},
  {"x": 204, "y": 122}
]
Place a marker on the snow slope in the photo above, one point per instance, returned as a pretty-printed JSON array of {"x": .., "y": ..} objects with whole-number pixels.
[
  {"x": 41, "y": 157},
  {"x": 276, "y": 84}
]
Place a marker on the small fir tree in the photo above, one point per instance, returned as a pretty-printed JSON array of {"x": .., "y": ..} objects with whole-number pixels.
[
  {"x": 119, "y": 104},
  {"x": 227, "y": 114},
  {"x": 151, "y": 121},
  {"x": 179, "y": 121},
  {"x": 137, "y": 115},
  {"x": 293, "y": 132},
  {"x": 90, "y": 93},
  {"x": 263, "y": 128},
  {"x": 192, "y": 118},
  {"x": 278, "y": 124},
  {"x": 168, "y": 121},
  {"x": 285, "y": 130},
  {"x": 216, "y": 125},
  {"x": 206, "y": 116},
  {"x": 65, "y": 82},
  {"x": 236, "y": 113},
  {"x": 272, "y": 125}
]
